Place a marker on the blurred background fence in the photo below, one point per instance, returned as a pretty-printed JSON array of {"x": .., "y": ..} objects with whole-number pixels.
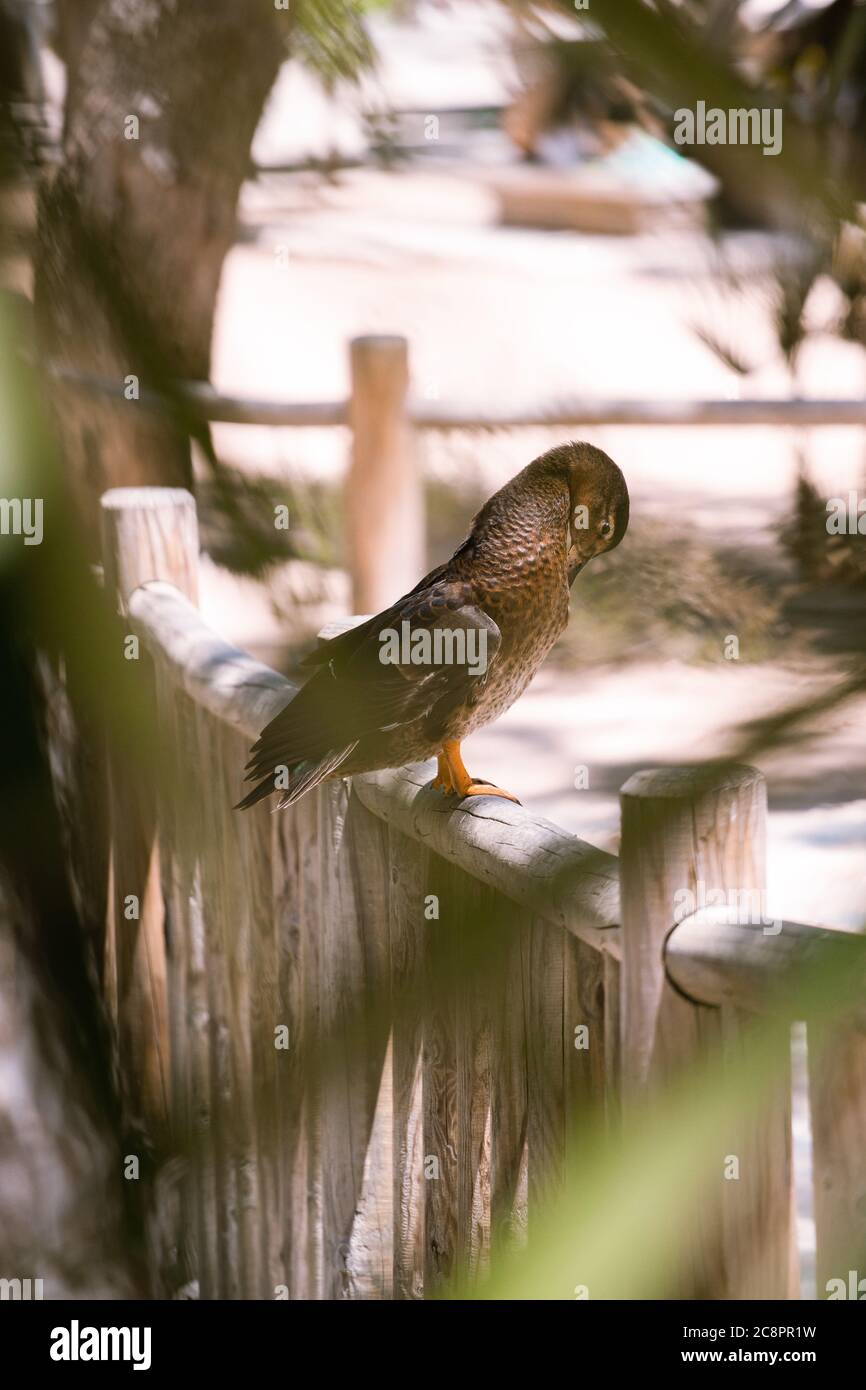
[{"x": 384, "y": 502}]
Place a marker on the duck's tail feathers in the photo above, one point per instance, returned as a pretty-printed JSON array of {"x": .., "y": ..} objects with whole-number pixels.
[{"x": 301, "y": 779}]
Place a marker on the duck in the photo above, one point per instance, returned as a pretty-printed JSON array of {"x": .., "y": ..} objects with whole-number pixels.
[{"x": 413, "y": 682}]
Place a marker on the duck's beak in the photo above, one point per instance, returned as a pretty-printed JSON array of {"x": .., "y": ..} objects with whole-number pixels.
[{"x": 574, "y": 567}]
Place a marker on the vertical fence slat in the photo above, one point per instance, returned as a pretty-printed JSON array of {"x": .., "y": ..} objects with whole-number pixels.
[
  {"x": 354, "y": 998},
  {"x": 192, "y": 1094},
  {"x": 243, "y": 876},
  {"x": 477, "y": 996},
  {"x": 371, "y": 1252},
  {"x": 408, "y": 869},
  {"x": 297, "y": 898},
  {"x": 758, "y": 1231},
  {"x": 510, "y": 1088},
  {"x": 147, "y": 533},
  {"x": 465, "y": 970},
  {"x": 259, "y": 1011},
  {"x": 837, "y": 1098},
  {"x": 439, "y": 1072},
  {"x": 612, "y": 1041},
  {"x": 586, "y": 1042},
  {"x": 342, "y": 1099},
  {"x": 202, "y": 1088},
  {"x": 544, "y": 956},
  {"x": 224, "y": 1033},
  {"x": 177, "y": 875}
]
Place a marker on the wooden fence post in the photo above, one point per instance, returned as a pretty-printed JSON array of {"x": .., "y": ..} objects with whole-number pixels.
[
  {"x": 384, "y": 492},
  {"x": 702, "y": 833},
  {"x": 147, "y": 533},
  {"x": 837, "y": 1097}
]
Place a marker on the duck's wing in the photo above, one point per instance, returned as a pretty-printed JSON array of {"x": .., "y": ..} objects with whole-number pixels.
[
  {"x": 416, "y": 660},
  {"x": 339, "y": 649}
]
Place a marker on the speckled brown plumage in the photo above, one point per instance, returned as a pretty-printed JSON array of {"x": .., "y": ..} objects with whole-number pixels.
[{"x": 509, "y": 580}]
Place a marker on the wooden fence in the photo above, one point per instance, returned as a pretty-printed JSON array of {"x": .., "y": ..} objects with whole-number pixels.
[
  {"x": 384, "y": 487},
  {"x": 375, "y": 1029}
]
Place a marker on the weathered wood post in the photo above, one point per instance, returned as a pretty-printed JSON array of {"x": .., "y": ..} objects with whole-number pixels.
[
  {"x": 690, "y": 836},
  {"x": 147, "y": 533},
  {"x": 837, "y": 1095},
  {"x": 384, "y": 492}
]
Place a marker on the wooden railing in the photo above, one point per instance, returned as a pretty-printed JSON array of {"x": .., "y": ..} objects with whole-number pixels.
[
  {"x": 384, "y": 480},
  {"x": 374, "y": 1028}
]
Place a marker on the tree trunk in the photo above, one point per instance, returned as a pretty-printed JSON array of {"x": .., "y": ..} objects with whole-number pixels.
[{"x": 163, "y": 102}]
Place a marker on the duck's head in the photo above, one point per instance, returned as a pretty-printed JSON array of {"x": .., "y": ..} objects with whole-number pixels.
[
  {"x": 598, "y": 511},
  {"x": 574, "y": 486}
]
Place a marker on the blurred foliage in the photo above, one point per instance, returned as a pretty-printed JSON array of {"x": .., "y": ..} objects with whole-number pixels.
[
  {"x": 675, "y": 595},
  {"x": 237, "y": 510},
  {"x": 329, "y": 37},
  {"x": 822, "y": 556}
]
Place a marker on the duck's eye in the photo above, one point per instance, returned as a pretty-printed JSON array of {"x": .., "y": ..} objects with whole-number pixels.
[{"x": 606, "y": 528}]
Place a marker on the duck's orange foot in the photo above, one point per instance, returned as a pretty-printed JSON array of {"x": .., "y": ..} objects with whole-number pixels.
[
  {"x": 477, "y": 788},
  {"x": 451, "y": 776},
  {"x": 442, "y": 780}
]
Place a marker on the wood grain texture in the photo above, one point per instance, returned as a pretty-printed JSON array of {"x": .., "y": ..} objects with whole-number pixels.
[
  {"x": 371, "y": 1253},
  {"x": 147, "y": 533},
  {"x": 544, "y": 973},
  {"x": 757, "y": 1238},
  {"x": 612, "y": 1041},
  {"x": 679, "y": 831},
  {"x": 530, "y": 860},
  {"x": 353, "y": 1037},
  {"x": 837, "y": 1097},
  {"x": 510, "y": 1090},
  {"x": 297, "y": 894},
  {"x": 407, "y": 881},
  {"x": 217, "y": 677},
  {"x": 586, "y": 1058},
  {"x": 698, "y": 832},
  {"x": 189, "y": 1011},
  {"x": 224, "y": 1031},
  {"x": 717, "y": 955},
  {"x": 478, "y": 999},
  {"x": 439, "y": 1084},
  {"x": 258, "y": 1006}
]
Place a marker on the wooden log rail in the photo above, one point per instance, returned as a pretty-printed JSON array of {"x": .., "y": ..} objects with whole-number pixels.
[
  {"x": 384, "y": 493},
  {"x": 217, "y": 407},
  {"x": 391, "y": 1020}
]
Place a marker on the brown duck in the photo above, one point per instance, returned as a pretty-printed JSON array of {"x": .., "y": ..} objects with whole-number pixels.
[{"x": 460, "y": 648}]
